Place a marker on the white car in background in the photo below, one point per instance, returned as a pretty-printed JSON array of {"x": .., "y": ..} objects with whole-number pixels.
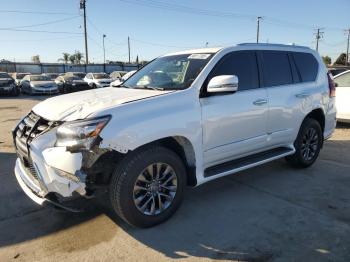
[
  {"x": 97, "y": 80},
  {"x": 118, "y": 82},
  {"x": 342, "y": 81}
]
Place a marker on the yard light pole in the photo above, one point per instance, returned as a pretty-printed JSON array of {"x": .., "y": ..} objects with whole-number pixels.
[
  {"x": 258, "y": 28},
  {"x": 104, "y": 50}
]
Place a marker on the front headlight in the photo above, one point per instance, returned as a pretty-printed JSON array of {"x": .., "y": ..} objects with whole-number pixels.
[{"x": 80, "y": 134}]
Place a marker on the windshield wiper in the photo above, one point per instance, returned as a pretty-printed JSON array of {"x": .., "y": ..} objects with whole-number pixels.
[{"x": 149, "y": 87}]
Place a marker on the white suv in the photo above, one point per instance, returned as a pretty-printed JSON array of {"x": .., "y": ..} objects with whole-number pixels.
[
  {"x": 97, "y": 80},
  {"x": 184, "y": 119}
]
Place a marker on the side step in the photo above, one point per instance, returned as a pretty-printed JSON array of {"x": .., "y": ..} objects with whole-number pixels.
[{"x": 247, "y": 161}]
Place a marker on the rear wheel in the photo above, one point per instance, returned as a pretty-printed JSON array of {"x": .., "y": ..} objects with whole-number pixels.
[
  {"x": 307, "y": 145},
  {"x": 147, "y": 187}
]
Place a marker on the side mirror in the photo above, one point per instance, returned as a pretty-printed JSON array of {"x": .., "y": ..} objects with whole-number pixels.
[{"x": 223, "y": 83}]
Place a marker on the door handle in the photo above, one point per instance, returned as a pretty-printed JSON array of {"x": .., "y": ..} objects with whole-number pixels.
[
  {"x": 302, "y": 95},
  {"x": 260, "y": 102}
]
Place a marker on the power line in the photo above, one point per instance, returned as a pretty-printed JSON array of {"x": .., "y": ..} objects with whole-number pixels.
[
  {"x": 35, "y": 12},
  {"x": 206, "y": 12},
  {"x": 41, "y": 24},
  {"x": 40, "y": 31}
]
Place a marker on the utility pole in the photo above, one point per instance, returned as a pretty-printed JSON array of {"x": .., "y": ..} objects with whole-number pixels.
[
  {"x": 347, "y": 47},
  {"x": 258, "y": 28},
  {"x": 319, "y": 35},
  {"x": 83, "y": 6},
  {"x": 129, "y": 48},
  {"x": 104, "y": 50}
]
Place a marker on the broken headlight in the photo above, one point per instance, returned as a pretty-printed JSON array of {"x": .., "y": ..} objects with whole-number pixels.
[{"x": 80, "y": 134}]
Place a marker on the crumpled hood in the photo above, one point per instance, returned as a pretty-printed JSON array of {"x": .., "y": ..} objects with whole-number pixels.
[{"x": 79, "y": 105}]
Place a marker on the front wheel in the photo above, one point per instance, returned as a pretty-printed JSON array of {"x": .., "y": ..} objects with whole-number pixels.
[
  {"x": 147, "y": 186},
  {"x": 307, "y": 145}
]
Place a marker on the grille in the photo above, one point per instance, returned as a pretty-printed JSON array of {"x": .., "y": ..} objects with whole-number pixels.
[
  {"x": 29, "y": 128},
  {"x": 5, "y": 83}
]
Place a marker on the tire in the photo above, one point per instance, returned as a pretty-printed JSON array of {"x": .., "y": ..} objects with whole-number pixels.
[
  {"x": 124, "y": 197},
  {"x": 307, "y": 145}
]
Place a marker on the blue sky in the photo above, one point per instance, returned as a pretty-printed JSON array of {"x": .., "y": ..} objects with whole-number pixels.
[{"x": 155, "y": 31}]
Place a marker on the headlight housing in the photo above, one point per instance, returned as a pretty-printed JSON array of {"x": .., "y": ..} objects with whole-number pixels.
[{"x": 80, "y": 134}]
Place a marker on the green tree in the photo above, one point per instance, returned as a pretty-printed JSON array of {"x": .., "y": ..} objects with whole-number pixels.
[
  {"x": 36, "y": 59},
  {"x": 341, "y": 60},
  {"x": 327, "y": 60},
  {"x": 65, "y": 58},
  {"x": 78, "y": 56},
  {"x": 72, "y": 59}
]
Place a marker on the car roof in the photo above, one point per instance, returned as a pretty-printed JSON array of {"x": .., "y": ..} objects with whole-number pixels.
[{"x": 257, "y": 46}]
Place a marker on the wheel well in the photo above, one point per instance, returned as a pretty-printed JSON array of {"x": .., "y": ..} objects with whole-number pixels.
[
  {"x": 183, "y": 147},
  {"x": 101, "y": 170},
  {"x": 318, "y": 115}
]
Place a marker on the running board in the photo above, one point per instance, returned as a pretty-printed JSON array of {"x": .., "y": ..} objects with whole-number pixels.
[{"x": 247, "y": 162}]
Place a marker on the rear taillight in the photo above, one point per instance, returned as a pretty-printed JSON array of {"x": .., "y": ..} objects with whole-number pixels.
[{"x": 331, "y": 85}]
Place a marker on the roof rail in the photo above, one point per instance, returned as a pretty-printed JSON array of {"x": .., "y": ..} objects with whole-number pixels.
[{"x": 276, "y": 45}]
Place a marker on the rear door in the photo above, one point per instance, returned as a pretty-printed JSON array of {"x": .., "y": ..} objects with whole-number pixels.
[
  {"x": 234, "y": 124},
  {"x": 290, "y": 90}
]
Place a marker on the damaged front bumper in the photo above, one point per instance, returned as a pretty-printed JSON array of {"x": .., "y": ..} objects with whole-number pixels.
[{"x": 43, "y": 169}]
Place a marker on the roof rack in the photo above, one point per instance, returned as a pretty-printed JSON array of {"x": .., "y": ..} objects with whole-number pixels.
[{"x": 276, "y": 45}]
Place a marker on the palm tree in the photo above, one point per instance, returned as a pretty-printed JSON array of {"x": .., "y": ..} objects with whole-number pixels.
[
  {"x": 78, "y": 56},
  {"x": 72, "y": 58},
  {"x": 65, "y": 58}
]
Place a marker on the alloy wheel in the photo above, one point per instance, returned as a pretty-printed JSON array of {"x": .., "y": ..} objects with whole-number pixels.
[{"x": 155, "y": 189}]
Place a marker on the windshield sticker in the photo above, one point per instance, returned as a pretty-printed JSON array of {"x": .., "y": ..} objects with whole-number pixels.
[{"x": 199, "y": 56}]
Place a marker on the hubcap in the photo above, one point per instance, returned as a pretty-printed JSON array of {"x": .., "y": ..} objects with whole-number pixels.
[
  {"x": 309, "y": 144},
  {"x": 155, "y": 188}
]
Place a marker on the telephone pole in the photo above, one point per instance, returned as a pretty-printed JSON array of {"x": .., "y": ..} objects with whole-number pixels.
[
  {"x": 347, "y": 31},
  {"x": 129, "y": 48},
  {"x": 258, "y": 28},
  {"x": 104, "y": 50},
  {"x": 319, "y": 35},
  {"x": 83, "y": 6}
]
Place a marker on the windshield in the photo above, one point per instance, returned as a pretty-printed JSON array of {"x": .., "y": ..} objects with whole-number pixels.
[
  {"x": 100, "y": 76},
  {"x": 71, "y": 78},
  {"x": 4, "y": 75},
  {"x": 169, "y": 72},
  {"x": 39, "y": 78}
]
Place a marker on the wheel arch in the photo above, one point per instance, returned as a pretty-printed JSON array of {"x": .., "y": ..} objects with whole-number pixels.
[{"x": 319, "y": 116}]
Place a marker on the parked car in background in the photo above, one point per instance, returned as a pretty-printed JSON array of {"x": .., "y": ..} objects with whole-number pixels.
[
  {"x": 185, "y": 118},
  {"x": 117, "y": 74},
  {"x": 52, "y": 76},
  {"x": 71, "y": 83},
  {"x": 118, "y": 82},
  {"x": 97, "y": 80},
  {"x": 18, "y": 77},
  {"x": 38, "y": 84},
  {"x": 8, "y": 85},
  {"x": 342, "y": 81},
  {"x": 78, "y": 74},
  {"x": 336, "y": 71}
]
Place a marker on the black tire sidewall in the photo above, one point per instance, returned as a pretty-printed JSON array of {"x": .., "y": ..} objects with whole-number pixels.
[
  {"x": 308, "y": 123},
  {"x": 121, "y": 188}
]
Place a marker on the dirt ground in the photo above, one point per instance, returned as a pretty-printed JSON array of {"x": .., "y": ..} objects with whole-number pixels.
[{"x": 268, "y": 213}]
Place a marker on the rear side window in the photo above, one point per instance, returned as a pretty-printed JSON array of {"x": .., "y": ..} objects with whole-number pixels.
[
  {"x": 307, "y": 66},
  {"x": 243, "y": 64},
  {"x": 276, "y": 68}
]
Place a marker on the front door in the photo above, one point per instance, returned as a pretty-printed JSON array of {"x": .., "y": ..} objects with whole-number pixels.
[{"x": 234, "y": 124}]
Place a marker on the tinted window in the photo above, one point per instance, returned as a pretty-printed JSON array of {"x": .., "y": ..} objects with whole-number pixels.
[
  {"x": 307, "y": 66},
  {"x": 276, "y": 68},
  {"x": 343, "y": 80},
  {"x": 242, "y": 64}
]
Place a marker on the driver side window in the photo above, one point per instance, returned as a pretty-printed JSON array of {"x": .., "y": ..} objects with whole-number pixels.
[{"x": 243, "y": 64}]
